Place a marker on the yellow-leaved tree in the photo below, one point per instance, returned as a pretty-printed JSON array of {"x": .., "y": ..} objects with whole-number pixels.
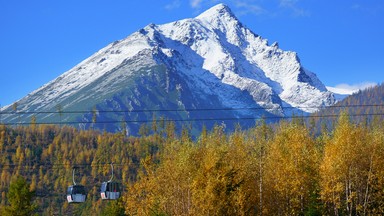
[
  {"x": 291, "y": 171},
  {"x": 373, "y": 199},
  {"x": 347, "y": 169}
]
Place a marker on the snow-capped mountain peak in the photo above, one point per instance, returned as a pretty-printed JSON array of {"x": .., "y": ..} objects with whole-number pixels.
[
  {"x": 237, "y": 56},
  {"x": 219, "y": 12},
  {"x": 211, "y": 60}
]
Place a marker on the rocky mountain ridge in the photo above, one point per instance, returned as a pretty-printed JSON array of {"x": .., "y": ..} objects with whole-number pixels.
[{"x": 182, "y": 71}]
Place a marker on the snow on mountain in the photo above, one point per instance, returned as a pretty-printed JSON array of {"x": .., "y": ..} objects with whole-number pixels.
[
  {"x": 341, "y": 91},
  {"x": 243, "y": 59},
  {"x": 210, "y": 61}
]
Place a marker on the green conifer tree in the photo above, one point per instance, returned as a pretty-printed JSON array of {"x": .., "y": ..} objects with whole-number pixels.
[{"x": 19, "y": 199}]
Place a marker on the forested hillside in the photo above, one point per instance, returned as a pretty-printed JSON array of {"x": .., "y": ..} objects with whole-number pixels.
[
  {"x": 363, "y": 105},
  {"x": 46, "y": 154},
  {"x": 282, "y": 169}
]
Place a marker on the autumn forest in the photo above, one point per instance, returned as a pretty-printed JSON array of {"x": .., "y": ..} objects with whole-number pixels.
[{"x": 281, "y": 169}]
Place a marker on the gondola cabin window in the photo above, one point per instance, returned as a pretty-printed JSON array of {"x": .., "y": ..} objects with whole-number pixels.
[
  {"x": 110, "y": 190},
  {"x": 76, "y": 194}
]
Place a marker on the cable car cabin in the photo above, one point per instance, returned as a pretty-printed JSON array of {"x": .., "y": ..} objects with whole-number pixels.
[
  {"x": 110, "y": 190},
  {"x": 76, "y": 194}
]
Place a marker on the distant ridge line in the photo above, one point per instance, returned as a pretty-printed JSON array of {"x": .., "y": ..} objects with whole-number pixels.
[{"x": 184, "y": 110}]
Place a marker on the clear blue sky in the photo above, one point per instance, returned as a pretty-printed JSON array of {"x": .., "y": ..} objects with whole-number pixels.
[{"x": 340, "y": 40}]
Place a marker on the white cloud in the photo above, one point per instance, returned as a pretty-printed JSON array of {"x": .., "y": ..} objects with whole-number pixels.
[
  {"x": 195, "y": 3},
  {"x": 356, "y": 6},
  {"x": 288, "y": 3},
  {"x": 368, "y": 8},
  {"x": 293, "y": 6},
  {"x": 344, "y": 88},
  {"x": 173, "y": 5},
  {"x": 245, "y": 7}
]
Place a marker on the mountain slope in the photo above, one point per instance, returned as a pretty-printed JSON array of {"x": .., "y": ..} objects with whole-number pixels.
[
  {"x": 209, "y": 68},
  {"x": 361, "y": 106}
]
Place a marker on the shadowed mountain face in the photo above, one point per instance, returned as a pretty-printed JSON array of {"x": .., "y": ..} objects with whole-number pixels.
[{"x": 205, "y": 70}]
